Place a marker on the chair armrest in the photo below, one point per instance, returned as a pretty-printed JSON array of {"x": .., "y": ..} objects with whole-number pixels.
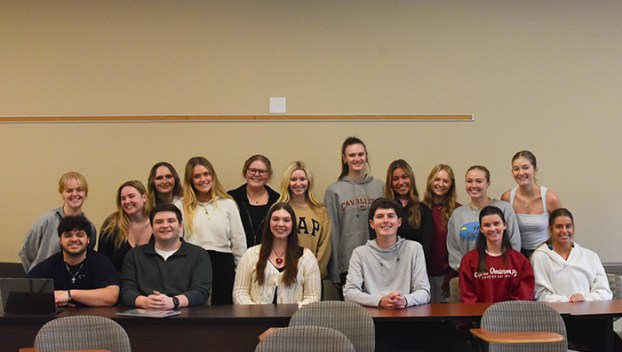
[
  {"x": 267, "y": 333},
  {"x": 517, "y": 336}
]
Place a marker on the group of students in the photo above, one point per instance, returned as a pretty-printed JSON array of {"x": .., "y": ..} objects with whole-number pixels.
[{"x": 266, "y": 247}]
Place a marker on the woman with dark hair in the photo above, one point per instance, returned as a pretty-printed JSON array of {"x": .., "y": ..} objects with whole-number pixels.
[
  {"x": 532, "y": 203},
  {"x": 348, "y": 201},
  {"x": 494, "y": 272},
  {"x": 567, "y": 272},
  {"x": 278, "y": 270},
  {"x": 255, "y": 197},
  {"x": 463, "y": 226},
  {"x": 417, "y": 224},
  {"x": 440, "y": 195},
  {"x": 129, "y": 226},
  {"x": 164, "y": 184},
  {"x": 212, "y": 221}
]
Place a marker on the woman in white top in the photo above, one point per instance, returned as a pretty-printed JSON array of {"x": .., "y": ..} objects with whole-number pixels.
[
  {"x": 212, "y": 221},
  {"x": 278, "y": 270},
  {"x": 532, "y": 203},
  {"x": 567, "y": 272},
  {"x": 313, "y": 221}
]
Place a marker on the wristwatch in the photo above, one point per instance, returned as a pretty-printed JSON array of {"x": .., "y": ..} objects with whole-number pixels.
[{"x": 175, "y": 302}]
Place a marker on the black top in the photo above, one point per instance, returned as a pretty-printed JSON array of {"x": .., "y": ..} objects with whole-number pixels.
[
  {"x": 423, "y": 234},
  {"x": 96, "y": 271},
  {"x": 253, "y": 223},
  {"x": 108, "y": 248}
]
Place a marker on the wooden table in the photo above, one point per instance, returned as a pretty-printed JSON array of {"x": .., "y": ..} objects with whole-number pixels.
[
  {"x": 603, "y": 312},
  {"x": 217, "y": 328},
  {"x": 237, "y": 327}
]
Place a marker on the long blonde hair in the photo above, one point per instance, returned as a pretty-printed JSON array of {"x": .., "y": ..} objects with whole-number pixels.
[
  {"x": 450, "y": 202},
  {"x": 119, "y": 221},
  {"x": 190, "y": 202},
  {"x": 414, "y": 219},
  {"x": 287, "y": 175}
]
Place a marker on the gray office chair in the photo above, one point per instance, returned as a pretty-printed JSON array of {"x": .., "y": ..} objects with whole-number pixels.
[
  {"x": 615, "y": 284},
  {"x": 516, "y": 316},
  {"x": 349, "y": 318},
  {"x": 305, "y": 339},
  {"x": 82, "y": 332}
]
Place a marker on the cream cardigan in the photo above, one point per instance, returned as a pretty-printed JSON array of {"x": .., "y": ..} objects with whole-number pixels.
[{"x": 305, "y": 290}]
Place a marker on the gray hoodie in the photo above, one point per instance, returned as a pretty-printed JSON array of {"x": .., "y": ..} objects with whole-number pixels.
[
  {"x": 348, "y": 203},
  {"x": 375, "y": 271}
]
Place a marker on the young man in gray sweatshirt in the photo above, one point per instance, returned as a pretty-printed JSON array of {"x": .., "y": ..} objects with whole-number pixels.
[{"x": 387, "y": 272}]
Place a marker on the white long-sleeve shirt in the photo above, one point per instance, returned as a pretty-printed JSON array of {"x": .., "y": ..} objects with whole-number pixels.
[
  {"x": 557, "y": 279},
  {"x": 217, "y": 227}
]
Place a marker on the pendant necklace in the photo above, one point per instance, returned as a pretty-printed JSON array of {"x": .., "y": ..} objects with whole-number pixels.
[
  {"x": 204, "y": 206},
  {"x": 73, "y": 276},
  {"x": 279, "y": 258}
]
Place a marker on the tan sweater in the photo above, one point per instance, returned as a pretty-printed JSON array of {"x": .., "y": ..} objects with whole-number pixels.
[{"x": 314, "y": 233}]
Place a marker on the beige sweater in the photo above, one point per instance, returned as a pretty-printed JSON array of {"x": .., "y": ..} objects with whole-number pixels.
[
  {"x": 314, "y": 233},
  {"x": 305, "y": 290}
]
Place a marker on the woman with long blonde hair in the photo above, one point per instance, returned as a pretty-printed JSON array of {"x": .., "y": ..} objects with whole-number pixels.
[
  {"x": 440, "y": 195},
  {"x": 129, "y": 226},
  {"x": 313, "y": 221},
  {"x": 212, "y": 221}
]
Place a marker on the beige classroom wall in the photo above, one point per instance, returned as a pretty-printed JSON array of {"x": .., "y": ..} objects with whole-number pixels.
[{"x": 539, "y": 75}]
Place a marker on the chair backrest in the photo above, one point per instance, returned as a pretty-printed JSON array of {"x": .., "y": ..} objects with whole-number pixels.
[
  {"x": 305, "y": 339},
  {"x": 615, "y": 283},
  {"x": 82, "y": 332},
  {"x": 524, "y": 316},
  {"x": 454, "y": 290},
  {"x": 349, "y": 318}
]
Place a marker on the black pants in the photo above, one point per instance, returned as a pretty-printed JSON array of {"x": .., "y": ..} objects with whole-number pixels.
[{"x": 223, "y": 275}]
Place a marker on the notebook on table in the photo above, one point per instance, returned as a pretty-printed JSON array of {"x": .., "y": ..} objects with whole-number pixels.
[
  {"x": 148, "y": 313},
  {"x": 27, "y": 296}
]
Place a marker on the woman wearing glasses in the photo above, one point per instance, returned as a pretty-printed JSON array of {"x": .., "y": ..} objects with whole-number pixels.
[
  {"x": 255, "y": 197},
  {"x": 212, "y": 221}
]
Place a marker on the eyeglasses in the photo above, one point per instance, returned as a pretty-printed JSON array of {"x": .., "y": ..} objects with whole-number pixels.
[
  {"x": 260, "y": 172},
  {"x": 79, "y": 234}
]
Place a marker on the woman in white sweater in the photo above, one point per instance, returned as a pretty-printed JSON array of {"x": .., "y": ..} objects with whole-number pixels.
[
  {"x": 278, "y": 270},
  {"x": 567, "y": 272},
  {"x": 212, "y": 222}
]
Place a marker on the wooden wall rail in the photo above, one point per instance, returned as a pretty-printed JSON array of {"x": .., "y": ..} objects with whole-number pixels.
[{"x": 238, "y": 118}]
